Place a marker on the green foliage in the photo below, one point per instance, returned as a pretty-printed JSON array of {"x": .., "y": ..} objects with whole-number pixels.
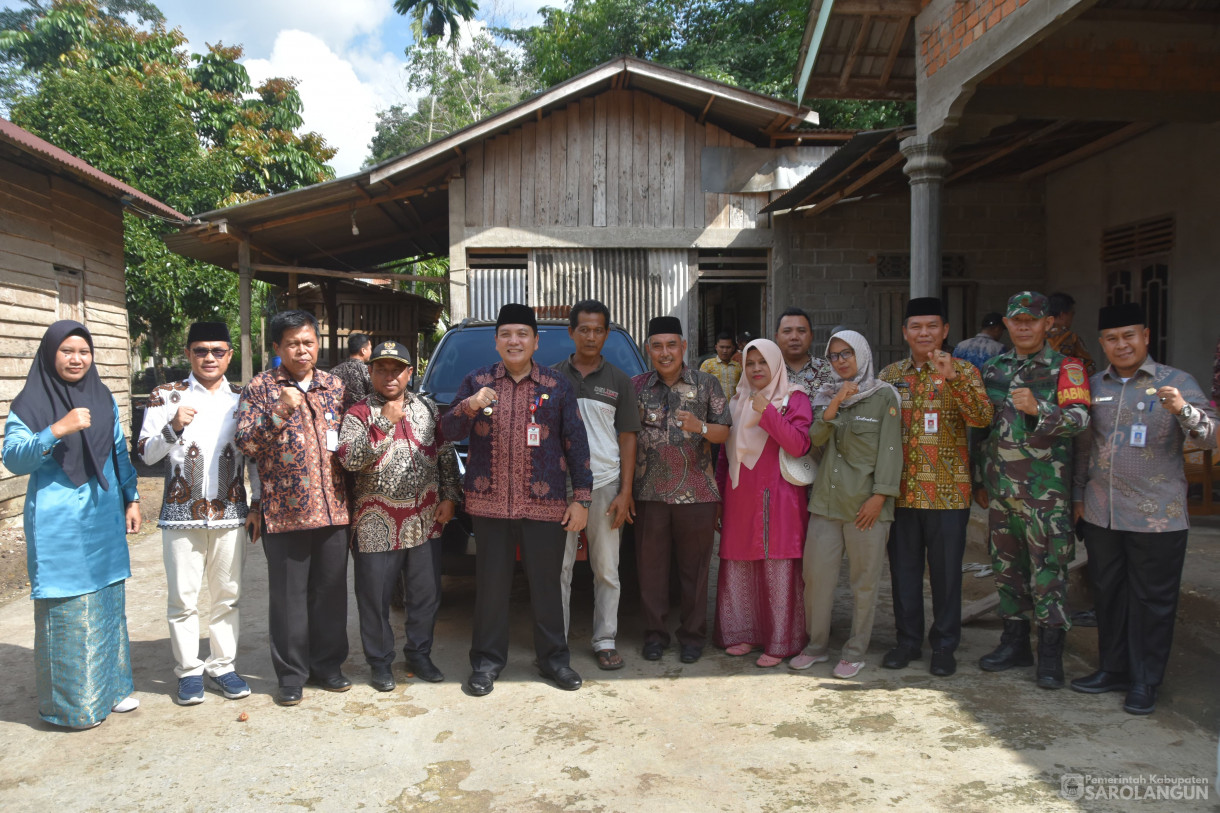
[
  {"x": 459, "y": 87},
  {"x": 431, "y": 18},
  {"x": 186, "y": 129}
]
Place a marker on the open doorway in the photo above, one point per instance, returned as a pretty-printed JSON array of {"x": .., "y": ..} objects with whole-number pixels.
[{"x": 733, "y": 306}]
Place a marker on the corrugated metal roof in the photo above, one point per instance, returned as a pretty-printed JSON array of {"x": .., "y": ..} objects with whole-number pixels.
[
  {"x": 400, "y": 207},
  {"x": 52, "y": 157},
  {"x": 858, "y": 49}
]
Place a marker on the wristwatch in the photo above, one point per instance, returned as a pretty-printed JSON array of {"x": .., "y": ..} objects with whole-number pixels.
[
  {"x": 702, "y": 429},
  {"x": 1186, "y": 411},
  {"x": 584, "y": 503}
]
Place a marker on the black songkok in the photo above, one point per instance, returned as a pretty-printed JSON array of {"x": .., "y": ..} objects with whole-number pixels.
[
  {"x": 208, "y": 332},
  {"x": 517, "y": 314},
  {"x": 925, "y": 306},
  {"x": 664, "y": 324},
  {"x": 1124, "y": 315}
]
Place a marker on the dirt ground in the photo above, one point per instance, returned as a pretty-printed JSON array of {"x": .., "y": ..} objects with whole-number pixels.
[{"x": 720, "y": 734}]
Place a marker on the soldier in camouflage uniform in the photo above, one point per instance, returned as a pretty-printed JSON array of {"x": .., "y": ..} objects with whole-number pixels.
[{"x": 1023, "y": 461}]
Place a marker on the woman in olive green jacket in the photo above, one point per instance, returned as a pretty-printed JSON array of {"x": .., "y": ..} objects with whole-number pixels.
[{"x": 857, "y": 419}]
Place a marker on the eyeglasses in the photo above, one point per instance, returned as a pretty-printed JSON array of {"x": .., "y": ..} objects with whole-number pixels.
[
  {"x": 845, "y": 355},
  {"x": 214, "y": 352}
]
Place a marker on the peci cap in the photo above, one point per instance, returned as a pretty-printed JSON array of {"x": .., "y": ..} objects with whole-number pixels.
[
  {"x": 1122, "y": 315},
  {"x": 925, "y": 306},
  {"x": 208, "y": 332},
  {"x": 1031, "y": 303},
  {"x": 513, "y": 313},
  {"x": 993, "y": 319},
  {"x": 391, "y": 350},
  {"x": 664, "y": 324}
]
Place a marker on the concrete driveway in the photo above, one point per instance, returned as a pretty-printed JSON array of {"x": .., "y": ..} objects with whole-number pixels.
[{"x": 717, "y": 735}]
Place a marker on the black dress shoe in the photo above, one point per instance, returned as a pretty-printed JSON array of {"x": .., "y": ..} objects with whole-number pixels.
[
  {"x": 424, "y": 669},
  {"x": 1141, "y": 699},
  {"x": 943, "y": 663},
  {"x": 899, "y": 657},
  {"x": 334, "y": 683},
  {"x": 564, "y": 677},
  {"x": 480, "y": 684},
  {"x": 690, "y": 653},
  {"x": 652, "y": 650},
  {"x": 1100, "y": 682},
  {"x": 382, "y": 678},
  {"x": 288, "y": 695}
]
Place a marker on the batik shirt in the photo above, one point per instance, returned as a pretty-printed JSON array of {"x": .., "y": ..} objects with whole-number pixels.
[
  {"x": 1139, "y": 488},
  {"x": 671, "y": 464},
  {"x": 205, "y": 473},
  {"x": 505, "y": 477},
  {"x": 1029, "y": 457},
  {"x": 978, "y": 350},
  {"x": 402, "y": 473},
  {"x": 302, "y": 480},
  {"x": 354, "y": 374},
  {"x": 1067, "y": 343},
  {"x": 811, "y": 377},
  {"x": 936, "y": 465},
  {"x": 728, "y": 373}
]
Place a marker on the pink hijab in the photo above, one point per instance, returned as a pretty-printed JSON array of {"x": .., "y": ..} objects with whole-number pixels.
[{"x": 747, "y": 438}]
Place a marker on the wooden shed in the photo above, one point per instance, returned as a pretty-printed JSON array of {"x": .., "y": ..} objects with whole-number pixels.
[
  {"x": 635, "y": 183},
  {"x": 61, "y": 257}
]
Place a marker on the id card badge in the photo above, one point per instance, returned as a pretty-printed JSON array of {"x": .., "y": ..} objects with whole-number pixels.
[
  {"x": 1139, "y": 435},
  {"x": 931, "y": 423},
  {"x": 332, "y": 440},
  {"x": 533, "y": 435}
]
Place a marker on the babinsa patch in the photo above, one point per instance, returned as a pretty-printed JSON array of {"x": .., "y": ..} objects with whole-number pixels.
[{"x": 1073, "y": 385}]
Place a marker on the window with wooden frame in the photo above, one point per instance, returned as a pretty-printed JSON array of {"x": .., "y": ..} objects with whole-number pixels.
[
  {"x": 70, "y": 291},
  {"x": 1135, "y": 262}
]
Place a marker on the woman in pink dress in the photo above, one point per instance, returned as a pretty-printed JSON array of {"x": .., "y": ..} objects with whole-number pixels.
[{"x": 759, "y": 593}]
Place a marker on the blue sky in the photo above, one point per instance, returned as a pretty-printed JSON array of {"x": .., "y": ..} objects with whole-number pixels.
[{"x": 348, "y": 55}]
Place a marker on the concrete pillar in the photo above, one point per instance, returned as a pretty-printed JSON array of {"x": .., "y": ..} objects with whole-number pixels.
[
  {"x": 926, "y": 167},
  {"x": 244, "y": 275},
  {"x": 459, "y": 288}
]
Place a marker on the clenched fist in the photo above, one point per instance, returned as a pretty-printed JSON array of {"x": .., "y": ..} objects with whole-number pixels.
[
  {"x": 182, "y": 419},
  {"x": 944, "y": 364},
  {"x": 392, "y": 411},
  {"x": 292, "y": 398},
  {"x": 1024, "y": 401},
  {"x": 483, "y": 399},
  {"x": 77, "y": 420}
]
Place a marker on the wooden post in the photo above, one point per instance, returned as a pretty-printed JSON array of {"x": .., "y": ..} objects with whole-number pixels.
[
  {"x": 330, "y": 300},
  {"x": 244, "y": 275}
]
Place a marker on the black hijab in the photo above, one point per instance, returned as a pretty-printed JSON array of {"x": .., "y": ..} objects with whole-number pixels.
[{"x": 46, "y": 398}]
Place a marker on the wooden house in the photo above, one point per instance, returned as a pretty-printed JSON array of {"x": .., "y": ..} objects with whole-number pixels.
[
  {"x": 61, "y": 257},
  {"x": 633, "y": 183}
]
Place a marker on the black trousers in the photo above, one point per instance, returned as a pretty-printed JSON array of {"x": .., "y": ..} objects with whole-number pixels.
[
  {"x": 307, "y": 602},
  {"x": 685, "y": 533},
  {"x": 1136, "y": 580},
  {"x": 377, "y": 579},
  {"x": 939, "y": 536},
  {"x": 542, "y": 547}
]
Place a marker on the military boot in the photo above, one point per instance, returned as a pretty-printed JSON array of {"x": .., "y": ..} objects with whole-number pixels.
[
  {"x": 1050, "y": 657},
  {"x": 1013, "y": 650}
]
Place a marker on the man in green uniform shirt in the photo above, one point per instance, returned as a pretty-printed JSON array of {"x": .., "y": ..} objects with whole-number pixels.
[{"x": 1040, "y": 400}]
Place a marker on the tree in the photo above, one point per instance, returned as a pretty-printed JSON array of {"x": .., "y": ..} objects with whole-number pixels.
[
  {"x": 430, "y": 18},
  {"x": 181, "y": 128},
  {"x": 748, "y": 44},
  {"x": 459, "y": 87}
]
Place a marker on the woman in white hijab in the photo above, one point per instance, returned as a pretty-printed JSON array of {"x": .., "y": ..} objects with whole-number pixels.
[
  {"x": 857, "y": 418},
  {"x": 759, "y": 590}
]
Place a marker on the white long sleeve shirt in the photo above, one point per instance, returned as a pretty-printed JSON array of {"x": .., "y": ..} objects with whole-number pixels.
[{"x": 204, "y": 483}]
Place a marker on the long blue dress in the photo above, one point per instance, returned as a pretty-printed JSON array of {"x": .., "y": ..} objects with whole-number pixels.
[{"x": 76, "y": 552}]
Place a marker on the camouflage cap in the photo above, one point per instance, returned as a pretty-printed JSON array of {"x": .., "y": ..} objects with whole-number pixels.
[{"x": 1028, "y": 302}]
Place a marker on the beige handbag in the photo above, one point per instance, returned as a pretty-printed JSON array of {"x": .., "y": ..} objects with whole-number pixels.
[{"x": 800, "y": 471}]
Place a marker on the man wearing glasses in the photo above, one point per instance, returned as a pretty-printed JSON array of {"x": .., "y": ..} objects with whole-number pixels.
[{"x": 205, "y": 520}]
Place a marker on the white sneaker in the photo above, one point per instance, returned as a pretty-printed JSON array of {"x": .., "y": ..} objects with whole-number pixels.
[
  {"x": 848, "y": 669},
  {"x": 128, "y": 703},
  {"x": 804, "y": 661}
]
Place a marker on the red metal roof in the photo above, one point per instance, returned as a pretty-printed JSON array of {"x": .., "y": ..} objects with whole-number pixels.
[{"x": 47, "y": 153}]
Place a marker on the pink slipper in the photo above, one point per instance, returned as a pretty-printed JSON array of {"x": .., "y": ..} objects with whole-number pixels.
[
  {"x": 767, "y": 661},
  {"x": 739, "y": 649}
]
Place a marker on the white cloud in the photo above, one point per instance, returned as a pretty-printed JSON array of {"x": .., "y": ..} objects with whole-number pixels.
[{"x": 338, "y": 103}]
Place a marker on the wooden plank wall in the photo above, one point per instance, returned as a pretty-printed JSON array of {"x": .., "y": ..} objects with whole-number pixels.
[
  {"x": 621, "y": 158},
  {"x": 48, "y": 221}
]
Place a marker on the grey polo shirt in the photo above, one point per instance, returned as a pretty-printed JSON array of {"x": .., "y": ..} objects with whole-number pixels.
[{"x": 607, "y": 404}]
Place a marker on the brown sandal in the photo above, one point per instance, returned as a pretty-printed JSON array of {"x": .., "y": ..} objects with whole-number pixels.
[{"x": 608, "y": 659}]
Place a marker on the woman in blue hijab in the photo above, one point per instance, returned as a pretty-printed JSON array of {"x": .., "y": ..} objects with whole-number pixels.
[{"x": 63, "y": 430}]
